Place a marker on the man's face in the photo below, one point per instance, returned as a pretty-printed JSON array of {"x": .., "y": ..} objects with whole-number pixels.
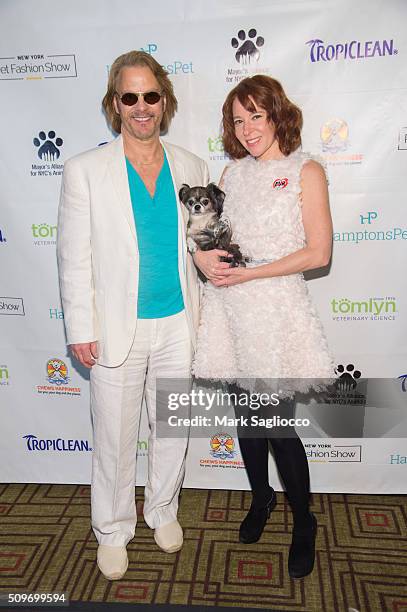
[{"x": 140, "y": 121}]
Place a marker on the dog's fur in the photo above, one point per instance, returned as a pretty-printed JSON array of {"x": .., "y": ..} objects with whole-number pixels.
[{"x": 206, "y": 230}]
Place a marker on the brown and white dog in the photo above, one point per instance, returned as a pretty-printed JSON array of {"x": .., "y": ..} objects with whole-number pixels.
[{"x": 206, "y": 230}]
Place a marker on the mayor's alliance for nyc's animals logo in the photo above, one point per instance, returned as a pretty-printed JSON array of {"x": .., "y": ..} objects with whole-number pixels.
[{"x": 47, "y": 145}]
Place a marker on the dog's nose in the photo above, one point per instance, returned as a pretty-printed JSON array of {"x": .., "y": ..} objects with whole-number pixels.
[{"x": 197, "y": 207}]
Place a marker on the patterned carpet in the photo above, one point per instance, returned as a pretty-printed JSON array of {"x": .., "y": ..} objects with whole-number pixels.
[{"x": 46, "y": 545}]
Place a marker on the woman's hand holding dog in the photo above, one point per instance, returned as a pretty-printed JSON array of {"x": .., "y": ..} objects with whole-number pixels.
[
  {"x": 209, "y": 264},
  {"x": 234, "y": 276}
]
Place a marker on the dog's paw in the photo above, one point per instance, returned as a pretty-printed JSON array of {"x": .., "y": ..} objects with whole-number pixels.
[
  {"x": 249, "y": 49},
  {"x": 48, "y": 146},
  {"x": 347, "y": 378}
]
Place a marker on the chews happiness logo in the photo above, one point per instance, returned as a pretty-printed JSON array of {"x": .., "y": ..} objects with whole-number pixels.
[{"x": 57, "y": 379}]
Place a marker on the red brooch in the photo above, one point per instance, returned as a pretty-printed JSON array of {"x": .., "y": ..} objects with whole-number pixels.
[{"x": 280, "y": 183}]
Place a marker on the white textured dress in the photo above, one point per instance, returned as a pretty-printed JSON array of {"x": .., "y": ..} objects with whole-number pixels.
[{"x": 266, "y": 328}]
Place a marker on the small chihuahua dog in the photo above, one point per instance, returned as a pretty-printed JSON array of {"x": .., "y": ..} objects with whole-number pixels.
[{"x": 206, "y": 230}]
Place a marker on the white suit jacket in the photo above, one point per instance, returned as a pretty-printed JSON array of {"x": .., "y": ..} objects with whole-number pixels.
[{"x": 97, "y": 250}]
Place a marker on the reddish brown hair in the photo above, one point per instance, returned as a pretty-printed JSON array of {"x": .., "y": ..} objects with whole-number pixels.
[{"x": 267, "y": 93}]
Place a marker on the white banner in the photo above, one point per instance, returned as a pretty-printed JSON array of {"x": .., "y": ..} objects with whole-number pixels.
[{"x": 348, "y": 75}]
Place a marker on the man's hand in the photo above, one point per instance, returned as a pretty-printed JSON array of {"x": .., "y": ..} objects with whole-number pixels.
[
  {"x": 209, "y": 264},
  {"x": 85, "y": 353}
]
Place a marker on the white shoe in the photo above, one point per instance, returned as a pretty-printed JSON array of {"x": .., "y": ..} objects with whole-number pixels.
[
  {"x": 112, "y": 561},
  {"x": 169, "y": 537}
]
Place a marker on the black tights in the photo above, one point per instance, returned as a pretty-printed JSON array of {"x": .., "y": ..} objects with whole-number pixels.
[{"x": 292, "y": 464}]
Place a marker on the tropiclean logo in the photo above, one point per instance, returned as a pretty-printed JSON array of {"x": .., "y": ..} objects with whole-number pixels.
[
  {"x": 320, "y": 51},
  {"x": 56, "y": 444}
]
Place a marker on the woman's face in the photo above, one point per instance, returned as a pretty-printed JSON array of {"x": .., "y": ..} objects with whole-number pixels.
[{"x": 255, "y": 132}]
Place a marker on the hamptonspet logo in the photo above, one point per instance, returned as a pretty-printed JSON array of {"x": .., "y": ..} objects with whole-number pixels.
[
  {"x": 174, "y": 67},
  {"x": 367, "y": 234},
  {"x": 4, "y": 375},
  {"x": 58, "y": 379},
  {"x": 398, "y": 459},
  {"x": 333, "y": 453},
  {"x": 367, "y": 309},
  {"x": 56, "y": 313},
  {"x": 2, "y": 238},
  {"x": 44, "y": 234},
  {"x": 12, "y": 306},
  {"x": 34, "y": 67},
  {"x": 353, "y": 50},
  {"x": 56, "y": 444}
]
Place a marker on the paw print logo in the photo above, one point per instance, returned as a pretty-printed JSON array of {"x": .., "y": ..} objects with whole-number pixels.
[
  {"x": 347, "y": 377},
  {"x": 248, "y": 50},
  {"x": 48, "y": 146}
]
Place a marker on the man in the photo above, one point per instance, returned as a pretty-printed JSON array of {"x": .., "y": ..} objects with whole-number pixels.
[{"x": 130, "y": 297}]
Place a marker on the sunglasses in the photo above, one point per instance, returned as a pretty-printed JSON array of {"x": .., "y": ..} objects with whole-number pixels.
[{"x": 130, "y": 98}]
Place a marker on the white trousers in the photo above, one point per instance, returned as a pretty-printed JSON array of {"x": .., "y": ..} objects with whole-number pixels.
[{"x": 161, "y": 347}]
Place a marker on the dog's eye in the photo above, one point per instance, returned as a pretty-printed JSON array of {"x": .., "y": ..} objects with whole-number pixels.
[
  {"x": 191, "y": 202},
  {"x": 205, "y": 201}
]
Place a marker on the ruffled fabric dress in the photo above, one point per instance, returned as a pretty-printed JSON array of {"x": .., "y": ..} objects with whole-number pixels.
[{"x": 264, "y": 333}]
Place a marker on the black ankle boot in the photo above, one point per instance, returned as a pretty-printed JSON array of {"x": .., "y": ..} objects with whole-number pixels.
[
  {"x": 302, "y": 550},
  {"x": 255, "y": 521}
]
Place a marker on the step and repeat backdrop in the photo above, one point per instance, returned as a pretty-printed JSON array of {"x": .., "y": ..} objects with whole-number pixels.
[{"x": 344, "y": 64}]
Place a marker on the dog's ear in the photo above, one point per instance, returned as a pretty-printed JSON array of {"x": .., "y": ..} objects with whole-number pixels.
[
  {"x": 217, "y": 196},
  {"x": 182, "y": 192}
]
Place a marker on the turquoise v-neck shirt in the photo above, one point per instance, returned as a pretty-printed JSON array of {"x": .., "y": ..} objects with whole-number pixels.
[{"x": 156, "y": 220}]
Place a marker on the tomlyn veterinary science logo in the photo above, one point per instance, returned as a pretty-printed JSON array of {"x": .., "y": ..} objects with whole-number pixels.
[
  {"x": 35, "y": 67},
  {"x": 44, "y": 234},
  {"x": 367, "y": 309},
  {"x": 4, "y": 375}
]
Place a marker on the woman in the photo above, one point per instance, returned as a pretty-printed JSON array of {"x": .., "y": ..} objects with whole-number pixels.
[{"x": 258, "y": 322}]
